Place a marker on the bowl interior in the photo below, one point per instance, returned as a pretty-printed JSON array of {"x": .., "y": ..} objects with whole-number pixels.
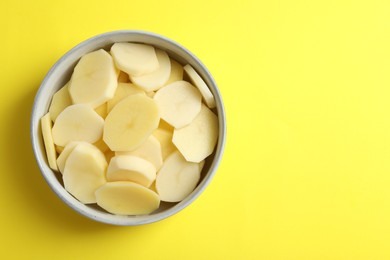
[{"x": 60, "y": 74}]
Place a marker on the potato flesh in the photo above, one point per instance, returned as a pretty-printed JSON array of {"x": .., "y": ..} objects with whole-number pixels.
[
  {"x": 201, "y": 85},
  {"x": 84, "y": 172},
  {"x": 156, "y": 79},
  {"x": 135, "y": 59},
  {"x": 46, "y": 126},
  {"x": 179, "y": 103},
  {"x": 123, "y": 90},
  {"x": 197, "y": 140},
  {"x": 127, "y": 198},
  {"x": 61, "y": 100},
  {"x": 77, "y": 123},
  {"x": 131, "y": 168},
  {"x": 130, "y": 123},
  {"x": 177, "y": 178},
  {"x": 94, "y": 79},
  {"x": 150, "y": 150}
]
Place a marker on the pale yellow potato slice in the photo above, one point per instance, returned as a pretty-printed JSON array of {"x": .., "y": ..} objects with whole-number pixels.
[
  {"x": 127, "y": 198},
  {"x": 156, "y": 79},
  {"x": 164, "y": 136},
  {"x": 131, "y": 168},
  {"x": 123, "y": 90},
  {"x": 197, "y": 140},
  {"x": 177, "y": 178},
  {"x": 94, "y": 79},
  {"x": 61, "y": 99},
  {"x": 77, "y": 123},
  {"x": 208, "y": 97},
  {"x": 46, "y": 126},
  {"x": 61, "y": 160},
  {"x": 130, "y": 123},
  {"x": 176, "y": 72},
  {"x": 135, "y": 59},
  {"x": 179, "y": 103},
  {"x": 84, "y": 172},
  {"x": 150, "y": 150}
]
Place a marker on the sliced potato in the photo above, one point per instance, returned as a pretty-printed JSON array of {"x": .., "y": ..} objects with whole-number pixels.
[{"x": 127, "y": 198}]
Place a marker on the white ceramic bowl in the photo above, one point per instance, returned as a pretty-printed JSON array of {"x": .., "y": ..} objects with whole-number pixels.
[{"x": 60, "y": 73}]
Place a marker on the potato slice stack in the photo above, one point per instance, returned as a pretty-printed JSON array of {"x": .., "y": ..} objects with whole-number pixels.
[{"x": 127, "y": 131}]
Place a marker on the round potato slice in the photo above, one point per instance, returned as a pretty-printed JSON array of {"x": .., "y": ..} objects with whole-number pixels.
[
  {"x": 127, "y": 198},
  {"x": 130, "y": 123}
]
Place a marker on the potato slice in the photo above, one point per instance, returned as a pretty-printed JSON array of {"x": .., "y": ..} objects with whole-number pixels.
[
  {"x": 77, "y": 123},
  {"x": 164, "y": 137},
  {"x": 150, "y": 150},
  {"x": 123, "y": 90},
  {"x": 197, "y": 140},
  {"x": 135, "y": 59},
  {"x": 84, "y": 172},
  {"x": 61, "y": 100},
  {"x": 176, "y": 72},
  {"x": 177, "y": 178},
  {"x": 179, "y": 103},
  {"x": 46, "y": 125},
  {"x": 94, "y": 79},
  {"x": 130, "y": 123},
  {"x": 201, "y": 85},
  {"x": 127, "y": 198},
  {"x": 61, "y": 160},
  {"x": 131, "y": 168},
  {"x": 156, "y": 79}
]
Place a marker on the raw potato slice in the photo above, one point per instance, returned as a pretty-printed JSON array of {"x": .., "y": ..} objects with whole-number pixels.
[
  {"x": 127, "y": 198},
  {"x": 123, "y": 77},
  {"x": 102, "y": 110},
  {"x": 61, "y": 160},
  {"x": 77, "y": 123},
  {"x": 61, "y": 100},
  {"x": 46, "y": 125},
  {"x": 176, "y": 72},
  {"x": 165, "y": 138},
  {"x": 123, "y": 90},
  {"x": 150, "y": 150},
  {"x": 201, "y": 85},
  {"x": 197, "y": 140},
  {"x": 135, "y": 59},
  {"x": 179, "y": 103},
  {"x": 131, "y": 168},
  {"x": 177, "y": 178},
  {"x": 84, "y": 172},
  {"x": 130, "y": 123},
  {"x": 94, "y": 79},
  {"x": 156, "y": 79}
]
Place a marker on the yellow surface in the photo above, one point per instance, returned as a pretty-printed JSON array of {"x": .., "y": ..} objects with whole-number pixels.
[{"x": 306, "y": 172}]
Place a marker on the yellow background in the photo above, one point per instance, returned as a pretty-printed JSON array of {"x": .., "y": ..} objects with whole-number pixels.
[{"x": 306, "y": 170}]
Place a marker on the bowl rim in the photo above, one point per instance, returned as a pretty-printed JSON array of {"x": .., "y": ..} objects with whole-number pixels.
[{"x": 108, "y": 218}]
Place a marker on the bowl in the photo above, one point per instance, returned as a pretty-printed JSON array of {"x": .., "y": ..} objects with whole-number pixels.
[{"x": 60, "y": 73}]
